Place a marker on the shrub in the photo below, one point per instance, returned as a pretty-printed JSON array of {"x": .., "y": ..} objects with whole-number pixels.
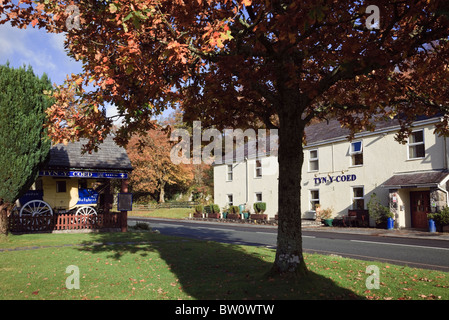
[
  {"x": 441, "y": 218},
  {"x": 234, "y": 209},
  {"x": 327, "y": 213},
  {"x": 260, "y": 207},
  {"x": 214, "y": 208},
  {"x": 377, "y": 211},
  {"x": 199, "y": 208}
]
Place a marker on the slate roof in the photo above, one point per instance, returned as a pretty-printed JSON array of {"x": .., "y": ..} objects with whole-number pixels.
[
  {"x": 315, "y": 133},
  {"x": 110, "y": 156},
  {"x": 332, "y": 129},
  {"x": 416, "y": 179}
]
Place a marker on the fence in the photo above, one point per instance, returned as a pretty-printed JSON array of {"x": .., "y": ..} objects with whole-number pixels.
[
  {"x": 166, "y": 205},
  {"x": 23, "y": 224}
]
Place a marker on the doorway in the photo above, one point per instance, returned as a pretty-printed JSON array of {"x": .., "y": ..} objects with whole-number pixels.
[{"x": 420, "y": 206}]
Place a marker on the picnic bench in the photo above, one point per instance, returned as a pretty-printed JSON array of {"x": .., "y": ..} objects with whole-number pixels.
[{"x": 356, "y": 218}]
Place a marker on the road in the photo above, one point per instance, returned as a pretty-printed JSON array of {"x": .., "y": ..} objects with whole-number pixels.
[{"x": 420, "y": 253}]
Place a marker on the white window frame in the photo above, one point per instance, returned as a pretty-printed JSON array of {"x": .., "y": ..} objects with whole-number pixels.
[
  {"x": 353, "y": 198},
  {"x": 230, "y": 196},
  {"x": 312, "y": 206},
  {"x": 414, "y": 144},
  {"x": 353, "y": 153},
  {"x": 255, "y": 197},
  {"x": 229, "y": 172},
  {"x": 313, "y": 160},
  {"x": 258, "y": 169}
]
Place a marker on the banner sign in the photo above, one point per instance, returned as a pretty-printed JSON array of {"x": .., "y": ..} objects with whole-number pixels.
[
  {"x": 87, "y": 196},
  {"x": 83, "y": 174}
]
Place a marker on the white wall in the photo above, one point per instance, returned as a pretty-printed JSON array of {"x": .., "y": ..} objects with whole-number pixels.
[{"x": 383, "y": 156}]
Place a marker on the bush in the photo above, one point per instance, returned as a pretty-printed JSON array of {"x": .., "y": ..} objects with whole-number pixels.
[
  {"x": 441, "y": 218},
  {"x": 378, "y": 212},
  {"x": 234, "y": 209},
  {"x": 260, "y": 207},
  {"x": 213, "y": 208},
  {"x": 199, "y": 208}
]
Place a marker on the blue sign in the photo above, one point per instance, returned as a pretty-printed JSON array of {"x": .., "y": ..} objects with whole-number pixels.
[
  {"x": 31, "y": 195},
  {"x": 87, "y": 196},
  {"x": 83, "y": 174},
  {"x": 339, "y": 178}
]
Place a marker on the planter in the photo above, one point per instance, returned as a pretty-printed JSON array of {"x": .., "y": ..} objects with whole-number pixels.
[
  {"x": 234, "y": 216},
  {"x": 390, "y": 224},
  {"x": 197, "y": 215},
  {"x": 328, "y": 222},
  {"x": 259, "y": 216},
  {"x": 213, "y": 215}
]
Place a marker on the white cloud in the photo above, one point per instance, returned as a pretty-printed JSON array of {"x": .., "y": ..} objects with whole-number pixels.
[{"x": 35, "y": 47}]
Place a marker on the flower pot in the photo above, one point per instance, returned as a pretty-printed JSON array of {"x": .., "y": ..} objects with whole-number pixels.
[
  {"x": 390, "y": 224},
  {"x": 259, "y": 216},
  {"x": 328, "y": 222},
  {"x": 233, "y": 216},
  {"x": 432, "y": 227}
]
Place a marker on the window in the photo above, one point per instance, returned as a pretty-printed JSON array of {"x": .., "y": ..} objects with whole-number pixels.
[
  {"x": 61, "y": 186},
  {"x": 258, "y": 168},
  {"x": 313, "y": 160},
  {"x": 356, "y": 153},
  {"x": 258, "y": 197},
  {"x": 314, "y": 199},
  {"x": 416, "y": 147},
  {"x": 229, "y": 172},
  {"x": 358, "y": 199},
  {"x": 230, "y": 200}
]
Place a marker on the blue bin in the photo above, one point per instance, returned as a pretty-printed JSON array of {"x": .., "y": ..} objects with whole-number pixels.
[
  {"x": 241, "y": 208},
  {"x": 390, "y": 224},
  {"x": 432, "y": 227}
]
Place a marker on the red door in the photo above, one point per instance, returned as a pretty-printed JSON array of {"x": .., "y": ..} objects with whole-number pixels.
[{"x": 420, "y": 206}]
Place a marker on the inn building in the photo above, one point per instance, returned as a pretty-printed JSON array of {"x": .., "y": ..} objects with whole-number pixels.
[{"x": 411, "y": 178}]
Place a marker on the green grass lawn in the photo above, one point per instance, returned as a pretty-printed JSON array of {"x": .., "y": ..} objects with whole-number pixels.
[
  {"x": 144, "y": 265},
  {"x": 173, "y": 213}
]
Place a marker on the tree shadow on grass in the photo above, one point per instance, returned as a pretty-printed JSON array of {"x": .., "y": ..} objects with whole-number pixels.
[{"x": 209, "y": 270}]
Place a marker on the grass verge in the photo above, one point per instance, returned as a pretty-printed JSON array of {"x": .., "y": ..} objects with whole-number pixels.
[
  {"x": 145, "y": 265},
  {"x": 174, "y": 213}
]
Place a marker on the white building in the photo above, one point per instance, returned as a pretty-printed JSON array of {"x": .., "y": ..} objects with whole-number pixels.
[{"x": 340, "y": 174}]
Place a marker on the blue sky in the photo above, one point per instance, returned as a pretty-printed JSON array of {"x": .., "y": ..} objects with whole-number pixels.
[{"x": 43, "y": 51}]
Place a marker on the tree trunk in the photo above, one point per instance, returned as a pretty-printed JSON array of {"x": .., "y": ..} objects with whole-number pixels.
[
  {"x": 162, "y": 193},
  {"x": 289, "y": 259},
  {"x": 4, "y": 221}
]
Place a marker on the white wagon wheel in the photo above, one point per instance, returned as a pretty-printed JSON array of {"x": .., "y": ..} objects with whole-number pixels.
[
  {"x": 37, "y": 208},
  {"x": 86, "y": 212}
]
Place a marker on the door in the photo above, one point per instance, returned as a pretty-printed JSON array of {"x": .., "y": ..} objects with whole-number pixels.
[{"x": 420, "y": 206}]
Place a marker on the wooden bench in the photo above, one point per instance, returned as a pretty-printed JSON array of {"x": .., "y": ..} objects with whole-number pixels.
[{"x": 356, "y": 218}]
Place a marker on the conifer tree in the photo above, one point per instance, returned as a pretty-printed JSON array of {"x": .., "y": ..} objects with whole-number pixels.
[{"x": 24, "y": 144}]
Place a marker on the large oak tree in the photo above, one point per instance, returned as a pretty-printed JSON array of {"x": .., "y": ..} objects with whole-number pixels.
[{"x": 236, "y": 63}]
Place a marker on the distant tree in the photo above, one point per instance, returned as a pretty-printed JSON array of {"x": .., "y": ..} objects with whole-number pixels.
[
  {"x": 24, "y": 144},
  {"x": 153, "y": 169}
]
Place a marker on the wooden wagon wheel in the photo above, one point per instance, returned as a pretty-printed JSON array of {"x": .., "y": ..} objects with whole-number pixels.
[{"x": 39, "y": 209}]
